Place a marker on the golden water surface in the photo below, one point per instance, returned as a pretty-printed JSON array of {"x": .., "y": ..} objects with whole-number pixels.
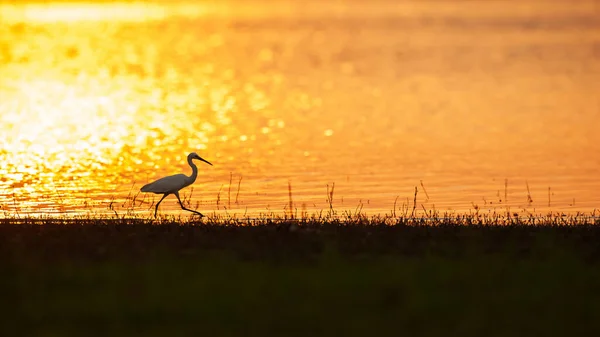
[{"x": 472, "y": 102}]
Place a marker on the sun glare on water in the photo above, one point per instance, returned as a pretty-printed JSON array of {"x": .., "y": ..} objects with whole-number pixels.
[
  {"x": 69, "y": 111},
  {"x": 63, "y": 136},
  {"x": 140, "y": 11},
  {"x": 89, "y": 108},
  {"x": 97, "y": 99}
]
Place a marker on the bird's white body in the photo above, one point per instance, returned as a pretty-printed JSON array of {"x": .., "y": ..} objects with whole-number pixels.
[{"x": 172, "y": 184}]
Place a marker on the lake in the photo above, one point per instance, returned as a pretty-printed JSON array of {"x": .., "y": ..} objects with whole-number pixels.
[{"x": 480, "y": 105}]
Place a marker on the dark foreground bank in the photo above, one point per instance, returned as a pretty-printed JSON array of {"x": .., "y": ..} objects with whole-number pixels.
[{"x": 278, "y": 278}]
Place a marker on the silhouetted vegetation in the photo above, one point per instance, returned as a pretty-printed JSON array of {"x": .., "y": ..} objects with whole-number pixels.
[{"x": 281, "y": 277}]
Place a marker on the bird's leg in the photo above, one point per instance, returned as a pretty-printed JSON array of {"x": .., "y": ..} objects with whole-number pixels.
[
  {"x": 187, "y": 209},
  {"x": 158, "y": 203}
]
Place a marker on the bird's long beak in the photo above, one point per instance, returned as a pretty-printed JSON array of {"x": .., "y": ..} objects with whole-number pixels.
[{"x": 204, "y": 160}]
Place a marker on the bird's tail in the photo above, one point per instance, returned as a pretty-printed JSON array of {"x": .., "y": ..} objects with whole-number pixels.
[{"x": 145, "y": 188}]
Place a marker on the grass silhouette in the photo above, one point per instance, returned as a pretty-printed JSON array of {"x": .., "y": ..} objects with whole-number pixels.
[{"x": 352, "y": 276}]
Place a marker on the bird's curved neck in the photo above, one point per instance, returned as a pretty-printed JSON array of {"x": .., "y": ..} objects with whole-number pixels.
[{"x": 192, "y": 178}]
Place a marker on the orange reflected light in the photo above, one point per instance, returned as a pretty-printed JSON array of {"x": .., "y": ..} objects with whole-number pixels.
[{"x": 116, "y": 11}]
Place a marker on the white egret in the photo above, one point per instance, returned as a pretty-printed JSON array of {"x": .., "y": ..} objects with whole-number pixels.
[{"x": 172, "y": 184}]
